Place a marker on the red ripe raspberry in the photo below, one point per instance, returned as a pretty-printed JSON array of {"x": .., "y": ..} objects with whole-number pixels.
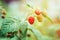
[{"x": 31, "y": 19}]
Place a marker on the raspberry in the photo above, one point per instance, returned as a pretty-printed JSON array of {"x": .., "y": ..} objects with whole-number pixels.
[
  {"x": 37, "y": 12},
  {"x": 31, "y": 19}
]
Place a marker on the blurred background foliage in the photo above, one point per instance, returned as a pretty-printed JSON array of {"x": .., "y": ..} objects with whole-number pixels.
[{"x": 20, "y": 21}]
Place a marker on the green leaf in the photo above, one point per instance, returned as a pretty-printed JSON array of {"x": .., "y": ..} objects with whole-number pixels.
[{"x": 9, "y": 25}]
